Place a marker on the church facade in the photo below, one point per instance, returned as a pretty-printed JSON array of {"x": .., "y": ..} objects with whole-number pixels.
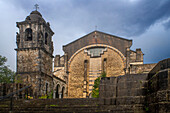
[{"x": 85, "y": 59}]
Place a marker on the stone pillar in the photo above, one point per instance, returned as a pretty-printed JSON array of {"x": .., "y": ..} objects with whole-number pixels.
[
  {"x": 85, "y": 89},
  {"x": 139, "y": 55},
  {"x": 57, "y": 61},
  {"x": 66, "y": 62},
  {"x": 66, "y": 71},
  {"x": 128, "y": 60},
  {"x": 60, "y": 95},
  {"x": 54, "y": 94}
]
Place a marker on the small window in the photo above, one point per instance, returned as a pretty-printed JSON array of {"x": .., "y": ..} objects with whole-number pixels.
[
  {"x": 85, "y": 61},
  {"x": 28, "y": 34},
  {"x": 46, "y": 90},
  {"x": 104, "y": 65},
  {"x": 46, "y": 37}
]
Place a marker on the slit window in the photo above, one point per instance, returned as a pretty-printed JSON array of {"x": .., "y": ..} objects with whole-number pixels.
[
  {"x": 46, "y": 90},
  {"x": 46, "y": 37},
  {"x": 104, "y": 65}
]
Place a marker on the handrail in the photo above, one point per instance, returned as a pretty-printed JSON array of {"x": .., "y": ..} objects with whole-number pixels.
[{"x": 11, "y": 94}]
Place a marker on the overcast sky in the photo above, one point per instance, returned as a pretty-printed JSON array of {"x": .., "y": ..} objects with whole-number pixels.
[{"x": 146, "y": 22}]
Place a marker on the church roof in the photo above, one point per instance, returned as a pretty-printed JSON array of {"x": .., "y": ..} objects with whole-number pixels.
[
  {"x": 35, "y": 17},
  {"x": 97, "y": 37}
]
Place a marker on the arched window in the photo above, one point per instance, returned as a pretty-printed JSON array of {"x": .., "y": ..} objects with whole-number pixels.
[
  {"x": 46, "y": 37},
  {"x": 28, "y": 34},
  {"x": 57, "y": 91},
  {"x": 63, "y": 90}
]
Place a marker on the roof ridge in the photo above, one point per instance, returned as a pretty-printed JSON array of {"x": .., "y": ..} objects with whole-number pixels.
[{"x": 99, "y": 32}]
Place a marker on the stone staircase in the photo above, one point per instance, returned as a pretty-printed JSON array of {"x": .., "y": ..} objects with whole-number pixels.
[
  {"x": 52, "y": 105},
  {"x": 79, "y": 105}
]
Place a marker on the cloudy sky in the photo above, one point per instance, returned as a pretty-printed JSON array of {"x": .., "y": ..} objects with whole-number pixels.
[{"x": 147, "y": 22}]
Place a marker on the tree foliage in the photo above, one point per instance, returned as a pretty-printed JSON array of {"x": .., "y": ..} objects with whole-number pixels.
[
  {"x": 6, "y": 74},
  {"x": 95, "y": 91}
]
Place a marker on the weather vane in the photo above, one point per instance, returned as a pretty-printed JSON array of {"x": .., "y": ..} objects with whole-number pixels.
[{"x": 36, "y": 7}]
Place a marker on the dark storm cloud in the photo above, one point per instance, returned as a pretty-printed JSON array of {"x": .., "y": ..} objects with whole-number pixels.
[
  {"x": 71, "y": 19},
  {"x": 123, "y": 17},
  {"x": 131, "y": 19}
]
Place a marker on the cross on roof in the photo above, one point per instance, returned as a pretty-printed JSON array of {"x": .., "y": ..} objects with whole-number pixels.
[{"x": 36, "y": 6}]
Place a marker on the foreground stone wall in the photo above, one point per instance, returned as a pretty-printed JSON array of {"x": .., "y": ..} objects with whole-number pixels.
[
  {"x": 124, "y": 90},
  {"x": 158, "y": 97},
  {"x": 8, "y": 88},
  {"x": 140, "y": 92}
]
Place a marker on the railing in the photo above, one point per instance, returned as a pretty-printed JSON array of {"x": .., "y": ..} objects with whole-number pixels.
[{"x": 11, "y": 96}]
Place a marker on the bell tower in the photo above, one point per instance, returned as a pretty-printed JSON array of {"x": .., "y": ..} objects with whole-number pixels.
[{"x": 35, "y": 52}]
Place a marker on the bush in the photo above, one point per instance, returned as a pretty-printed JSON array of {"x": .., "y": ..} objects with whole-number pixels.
[{"x": 95, "y": 91}]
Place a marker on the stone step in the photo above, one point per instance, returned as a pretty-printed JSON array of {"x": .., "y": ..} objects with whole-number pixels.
[
  {"x": 64, "y": 106},
  {"x": 55, "y": 109}
]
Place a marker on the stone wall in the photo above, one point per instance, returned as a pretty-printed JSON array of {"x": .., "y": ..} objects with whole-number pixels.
[
  {"x": 8, "y": 88},
  {"x": 59, "y": 88},
  {"x": 76, "y": 76},
  {"x": 136, "y": 56},
  {"x": 41, "y": 83},
  {"x": 46, "y": 63},
  {"x": 115, "y": 64},
  {"x": 59, "y": 72},
  {"x": 28, "y": 61},
  {"x": 95, "y": 66},
  {"x": 141, "y": 68},
  {"x": 159, "y": 88},
  {"x": 140, "y": 92},
  {"x": 123, "y": 86},
  {"x": 124, "y": 93},
  {"x": 34, "y": 60}
]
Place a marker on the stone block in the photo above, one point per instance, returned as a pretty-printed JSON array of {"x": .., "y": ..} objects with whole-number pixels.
[
  {"x": 107, "y": 101},
  {"x": 161, "y": 96},
  {"x": 113, "y": 101}
]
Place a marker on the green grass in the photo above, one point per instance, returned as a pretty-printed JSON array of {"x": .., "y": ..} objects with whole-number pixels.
[
  {"x": 4, "y": 105},
  {"x": 53, "y": 105}
]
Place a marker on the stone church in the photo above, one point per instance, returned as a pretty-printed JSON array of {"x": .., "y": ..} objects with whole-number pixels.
[{"x": 71, "y": 75}]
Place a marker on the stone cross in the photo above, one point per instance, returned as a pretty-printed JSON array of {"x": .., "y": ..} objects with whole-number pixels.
[{"x": 36, "y": 6}]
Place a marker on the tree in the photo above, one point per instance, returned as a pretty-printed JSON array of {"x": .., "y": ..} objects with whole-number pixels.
[
  {"x": 95, "y": 91},
  {"x": 6, "y": 74}
]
